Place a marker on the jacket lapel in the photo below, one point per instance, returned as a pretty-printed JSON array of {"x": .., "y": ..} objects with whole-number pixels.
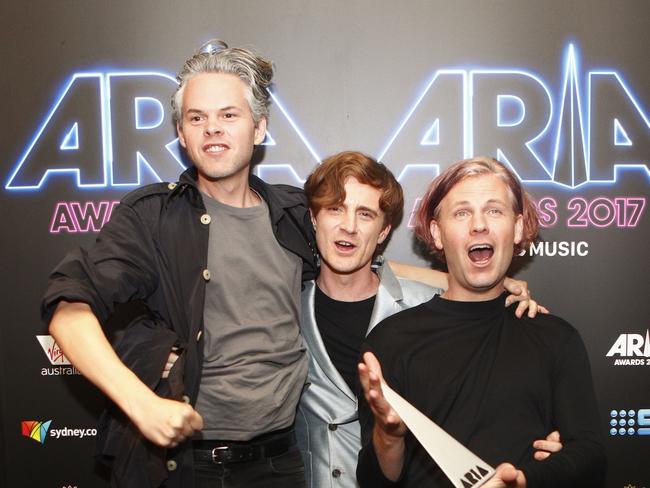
[
  {"x": 389, "y": 296},
  {"x": 315, "y": 342}
]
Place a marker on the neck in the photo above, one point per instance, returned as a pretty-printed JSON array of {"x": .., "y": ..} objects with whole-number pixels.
[
  {"x": 459, "y": 293},
  {"x": 352, "y": 287},
  {"x": 233, "y": 190}
]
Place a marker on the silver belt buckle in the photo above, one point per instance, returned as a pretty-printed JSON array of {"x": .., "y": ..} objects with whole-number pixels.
[{"x": 214, "y": 454}]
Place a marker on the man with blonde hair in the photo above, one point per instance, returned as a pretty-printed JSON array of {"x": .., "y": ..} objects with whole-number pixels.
[{"x": 493, "y": 382}]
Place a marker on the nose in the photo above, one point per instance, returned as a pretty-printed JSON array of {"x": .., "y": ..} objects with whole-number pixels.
[
  {"x": 349, "y": 222},
  {"x": 479, "y": 223},
  {"x": 213, "y": 126}
]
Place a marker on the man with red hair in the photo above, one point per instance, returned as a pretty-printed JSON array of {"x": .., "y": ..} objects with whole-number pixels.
[{"x": 493, "y": 382}]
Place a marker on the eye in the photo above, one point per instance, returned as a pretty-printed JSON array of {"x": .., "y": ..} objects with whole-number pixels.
[
  {"x": 495, "y": 211},
  {"x": 366, "y": 215},
  {"x": 334, "y": 209},
  {"x": 461, "y": 214},
  {"x": 195, "y": 118},
  {"x": 229, "y": 115}
]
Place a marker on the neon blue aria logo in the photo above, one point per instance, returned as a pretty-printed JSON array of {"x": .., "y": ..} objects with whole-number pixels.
[
  {"x": 586, "y": 130},
  {"x": 629, "y": 422}
]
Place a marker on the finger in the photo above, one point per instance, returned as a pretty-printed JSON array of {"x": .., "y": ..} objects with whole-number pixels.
[
  {"x": 532, "y": 309},
  {"x": 514, "y": 287},
  {"x": 196, "y": 421},
  {"x": 541, "y": 455},
  {"x": 521, "y": 308},
  {"x": 187, "y": 431},
  {"x": 363, "y": 377},
  {"x": 376, "y": 394},
  {"x": 543, "y": 309},
  {"x": 554, "y": 436},
  {"x": 548, "y": 446},
  {"x": 514, "y": 297},
  {"x": 507, "y": 472},
  {"x": 373, "y": 363},
  {"x": 378, "y": 402}
]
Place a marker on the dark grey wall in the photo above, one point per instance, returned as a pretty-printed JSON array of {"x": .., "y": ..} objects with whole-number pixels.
[{"x": 348, "y": 73}]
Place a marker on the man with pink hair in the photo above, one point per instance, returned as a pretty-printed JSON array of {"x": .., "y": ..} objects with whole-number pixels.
[{"x": 493, "y": 382}]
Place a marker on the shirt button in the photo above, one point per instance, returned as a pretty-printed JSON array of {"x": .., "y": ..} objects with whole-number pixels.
[
  {"x": 185, "y": 399},
  {"x": 336, "y": 473},
  {"x": 171, "y": 186},
  {"x": 332, "y": 427},
  {"x": 171, "y": 465},
  {"x": 206, "y": 274},
  {"x": 198, "y": 336},
  {"x": 205, "y": 219}
]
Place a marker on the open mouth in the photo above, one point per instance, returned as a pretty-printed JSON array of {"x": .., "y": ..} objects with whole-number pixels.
[
  {"x": 215, "y": 148},
  {"x": 480, "y": 253},
  {"x": 344, "y": 245}
]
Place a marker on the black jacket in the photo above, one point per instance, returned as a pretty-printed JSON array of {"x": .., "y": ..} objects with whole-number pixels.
[{"x": 154, "y": 249}]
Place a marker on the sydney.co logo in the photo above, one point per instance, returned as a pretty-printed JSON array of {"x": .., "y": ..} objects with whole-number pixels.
[
  {"x": 39, "y": 430},
  {"x": 35, "y": 429}
]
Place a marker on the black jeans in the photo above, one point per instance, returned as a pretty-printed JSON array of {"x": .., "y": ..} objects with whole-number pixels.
[{"x": 282, "y": 471}]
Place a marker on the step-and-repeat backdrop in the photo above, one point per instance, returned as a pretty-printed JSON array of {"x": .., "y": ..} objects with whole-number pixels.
[{"x": 558, "y": 90}]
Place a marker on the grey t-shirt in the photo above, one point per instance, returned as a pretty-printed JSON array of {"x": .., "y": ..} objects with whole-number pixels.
[{"x": 255, "y": 362}]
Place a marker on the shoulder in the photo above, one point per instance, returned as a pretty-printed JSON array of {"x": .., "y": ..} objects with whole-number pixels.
[
  {"x": 409, "y": 292},
  {"x": 284, "y": 195},
  {"x": 550, "y": 330},
  {"x": 155, "y": 190},
  {"x": 550, "y": 323},
  {"x": 148, "y": 204},
  {"x": 415, "y": 292},
  {"x": 392, "y": 328}
]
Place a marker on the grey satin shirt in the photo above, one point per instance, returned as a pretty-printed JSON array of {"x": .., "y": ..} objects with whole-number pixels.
[{"x": 326, "y": 423}]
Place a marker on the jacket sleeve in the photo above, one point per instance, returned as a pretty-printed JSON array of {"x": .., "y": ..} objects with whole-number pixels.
[
  {"x": 582, "y": 461},
  {"x": 120, "y": 266}
]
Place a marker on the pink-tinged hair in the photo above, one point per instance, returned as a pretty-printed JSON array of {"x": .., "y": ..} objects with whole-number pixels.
[{"x": 439, "y": 188}]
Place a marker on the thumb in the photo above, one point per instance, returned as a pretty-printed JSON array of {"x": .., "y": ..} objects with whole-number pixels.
[
  {"x": 196, "y": 421},
  {"x": 507, "y": 472}
]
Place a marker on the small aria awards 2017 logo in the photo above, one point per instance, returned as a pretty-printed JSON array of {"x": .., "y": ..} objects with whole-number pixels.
[
  {"x": 35, "y": 429},
  {"x": 631, "y": 350}
]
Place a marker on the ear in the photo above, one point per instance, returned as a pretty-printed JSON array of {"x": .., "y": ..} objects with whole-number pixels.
[
  {"x": 181, "y": 136},
  {"x": 312, "y": 217},
  {"x": 260, "y": 131},
  {"x": 434, "y": 229},
  {"x": 384, "y": 234},
  {"x": 519, "y": 228}
]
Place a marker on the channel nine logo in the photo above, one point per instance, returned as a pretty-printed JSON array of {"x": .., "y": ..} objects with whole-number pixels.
[{"x": 629, "y": 422}]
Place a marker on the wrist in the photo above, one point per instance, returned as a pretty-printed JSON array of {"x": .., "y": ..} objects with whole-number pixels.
[
  {"x": 136, "y": 400},
  {"x": 386, "y": 441}
]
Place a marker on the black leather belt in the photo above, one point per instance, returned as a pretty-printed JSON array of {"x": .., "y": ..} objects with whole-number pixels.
[{"x": 262, "y": 447}]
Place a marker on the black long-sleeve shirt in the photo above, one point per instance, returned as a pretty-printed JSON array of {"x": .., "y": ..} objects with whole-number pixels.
[{"x": 495, "y": 383}]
